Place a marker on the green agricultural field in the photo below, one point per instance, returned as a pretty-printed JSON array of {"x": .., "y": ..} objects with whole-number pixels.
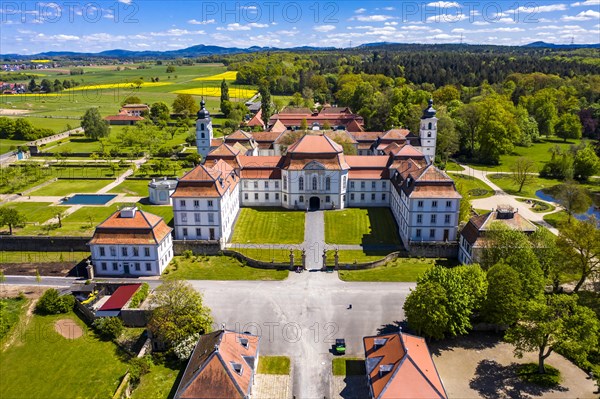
[
  {"x": 43, "y": 364},
  {"x": 366, "y": 226},
  {"x": 217, "y": 268},
  {"x": 538, "y": 152},
  {"x": 269, "y": 226},
  {"x": 472, "y": 185},
  {"x": 61, "y": 188},
  {"x": 138, "y": 188},
  {"x": 401, "y": 269}
]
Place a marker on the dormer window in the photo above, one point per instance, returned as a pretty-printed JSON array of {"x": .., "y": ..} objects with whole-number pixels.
[
  {"x": 244, "y": 342},
  {"x": 237, "y": 367},
  {"x": 385, "y": 368},
  {"x": 379, "y": 342}
]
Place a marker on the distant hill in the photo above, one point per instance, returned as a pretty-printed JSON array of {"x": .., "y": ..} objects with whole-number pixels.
[{"x": 205, "y": 50}]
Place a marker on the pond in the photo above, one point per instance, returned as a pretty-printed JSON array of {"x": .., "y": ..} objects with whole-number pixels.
[
  {"x": 88, "y": 199},
  {"x": 592, "y": 210}
]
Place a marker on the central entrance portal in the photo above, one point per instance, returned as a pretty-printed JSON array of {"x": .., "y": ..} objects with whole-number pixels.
[{"x": 315, "y": 203}]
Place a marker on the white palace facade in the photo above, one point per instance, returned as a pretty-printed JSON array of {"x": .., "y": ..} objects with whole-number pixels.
[{"x": 394, "y": 169}]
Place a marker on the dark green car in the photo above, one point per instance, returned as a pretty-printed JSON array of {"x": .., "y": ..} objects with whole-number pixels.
[{"x": 340, "y": 346}]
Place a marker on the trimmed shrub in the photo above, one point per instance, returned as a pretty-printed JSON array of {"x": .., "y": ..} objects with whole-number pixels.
[
  {"x": 109, "y": 327},
  {"x": 139, "y": 296},
  {"x": 52, "y": 303},
  {"x": 138, "y": 367}
]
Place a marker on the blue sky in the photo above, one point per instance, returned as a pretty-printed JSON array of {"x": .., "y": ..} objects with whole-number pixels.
[{"x": 31, "y": 27}]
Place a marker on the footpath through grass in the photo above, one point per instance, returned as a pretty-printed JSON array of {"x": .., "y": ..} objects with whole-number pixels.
[
  {"x": 399, "y": 270},
  {"x": 361, "y": 226},
  {"x": 43, "y": 364},
  {"x": 217, "y": 268},
  {"x": 279, "y": 365},
  {"x": 269, "y": 226}
]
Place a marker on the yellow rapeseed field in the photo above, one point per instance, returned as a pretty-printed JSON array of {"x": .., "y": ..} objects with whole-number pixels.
[
  {"x": 234, "y": 92},
  {"x": 229, "y": 75}
]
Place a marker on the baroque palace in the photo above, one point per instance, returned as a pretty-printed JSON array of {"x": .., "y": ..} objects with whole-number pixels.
[{"x": 393, "y": 169}]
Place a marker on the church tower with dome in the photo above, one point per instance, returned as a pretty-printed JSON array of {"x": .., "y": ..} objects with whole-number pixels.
[
  {"x": 428, "y": 132},
  {"x": 204, "y": 131}
]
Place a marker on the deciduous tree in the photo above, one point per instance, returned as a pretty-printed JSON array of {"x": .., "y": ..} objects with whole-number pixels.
[
  {"x": 523, "y": 172},
  {"x": 568, "y": 127},
  {"x": 93, "y": 125},
  {"x": 425, "y": 310},
  {"x": 579, "y": 244},
  {"x": 185, "y": 104},
  {"x": 11, "y": 217},
  {"x": 504, "y": 298},
  {"x": 573, "y": 198}
]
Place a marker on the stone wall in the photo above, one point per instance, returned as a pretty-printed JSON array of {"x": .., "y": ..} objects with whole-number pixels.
[
  {"x": 198, "y": 247},
  {"x": 49, "y": 244},
  {"x": 371, "y": 265},
  {"x": 433, "y": 250},
  {"x": 135, "y": 317},
  {"x": 259, "y": 264}
]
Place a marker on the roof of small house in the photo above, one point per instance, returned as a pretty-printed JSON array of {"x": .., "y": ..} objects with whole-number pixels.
[
  {"x": 142, "y": 229},
  {"x": 120, "y": 297}
]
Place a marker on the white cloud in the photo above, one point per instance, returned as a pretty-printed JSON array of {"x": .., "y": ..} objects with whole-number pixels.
[
  {"x": 388, "y": 8},
  {"x": 393, "y": 23},
  {"x": 443, "y": 36},
  {"x": 586, "y": 3},
  {"x": 360, "y": 10},
  {"x": 444, "y": 4},
  {"x": 480, "y": 23},
  {"x": 582, "y": 16},
  {"x": 196, "y": 22},
  {"x": 324, "y": 28},
  {"x": 535, "y": 8},
  {"x": 447, "y": 18},
  {"x": 177, "y": 32},
  {"x": 125, "y": 1},
  {"x": 238, "y": 27},
  {"x": 63, "y": 38},
  {"x": 374, "y": 18},
  {"x": 415, "y": 27}
]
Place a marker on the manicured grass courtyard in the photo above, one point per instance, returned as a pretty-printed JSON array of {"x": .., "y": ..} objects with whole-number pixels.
[
  {"x": 472, "y": 185},
  {"x": 279, "y": 365},
  {"x": 399, "y": 270},
  {"x": 268, "y": 226},
  {"x": 217, "y": 268},
  {"x": 65, "y": 187},
  {"x": 43, "y": 364},
  {"x": 35, "y": 212},
  {"x": 361, "y": 226},
  {"x": 138, "y": 188}
]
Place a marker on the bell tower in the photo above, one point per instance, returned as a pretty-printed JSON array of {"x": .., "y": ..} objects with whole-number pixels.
[
  {"x": 204, "y": 131},
  {"x": 428, "y": 132}
]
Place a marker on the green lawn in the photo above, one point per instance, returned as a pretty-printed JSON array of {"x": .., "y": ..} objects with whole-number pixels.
[
  {"x": 46, "y": 365},
  {"x": 279, "y": 365},
  {"x": 402, "y": 269},
  {"x": 65, "y": 187},
  {"x": 475, "y": 187},
  {"x": 217, "y": 268},
  {"x": 7, "y": 144},
  {"x": 42, "y": 256},
  {"x": 11, "y": 309},
  {"x": 356, "y": 226},
  {"x": 453, "y": 167},
  {"x": 57, "y": 124},
  {"x": 557, "y": 219},
  {"x": 36, "y": 212},
  {"x": 538, "y": 206},
  {"x": 268, "y": 226},
  {"x": 137, "y": 188},
  {"x": 345, "y": 366},
  {"x": 538, "y": 152},
  {"x": 157, "y": 384},
  {"x": 77, "y": 145},
  {"x": 271, "y": 254},
  {"x": 506, "y": 183}
]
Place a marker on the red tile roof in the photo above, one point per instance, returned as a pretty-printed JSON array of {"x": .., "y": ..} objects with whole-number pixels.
[
  {"x": 367, "y": 161},
  {"x": 315, "y": 144},
  {"x": 143, "y": 229},
  {"x": 207, "y": 180},
  {"x": 123, "y": 117},
  {"x": 120, "y": 297},
  {"x": 354, "y": 126},
  {"x": 256, "y": 120},
  {"x": 278, "y": 127},
  {"x": 399, "y": 366},
  {"x": 266, "y": 136}
]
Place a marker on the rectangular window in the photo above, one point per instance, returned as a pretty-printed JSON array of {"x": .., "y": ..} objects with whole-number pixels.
[
  {"x": 362, "y": 185},
  {"x": 419, "y": 218},
  {"x": 276, "y": 183},
  {"x": 256, "y": 184},
  {"x": 362, "y": 197},
  {"x": 146, "y": 251},
  {"x": 327, "y": 199},
  {"x": 284, "y": 197},
  {"x": 418, "y": 233},
  {"x": 432, "y": 233},
  {"x": 148, "y": 267},
  {"x": 245, "y": 183},
  {"x": 103, "y": 265},
  {"x": 352, "y": 197},
  {"x": 448, "y": 204},
  {"x": 343, "y": 182},
  {"x": 115, "y": 266},
  {"x": 113, "y": 251},
  {"x": 198, "y": 232},
  {"x": 211, "y": 218},
  {"x": 256, "y": 196},
  {"x": 372, "y": 196},
  {"x": 185, "y": 232},
  {"x": 301, "y": 199},
  {"x": 373, "y": 185},
  {"x": 197, "y": 217},
  {"x": 182, "y": 203},
  {"x": 246, "y": 196},
  {"x": 137, "y": 266},
  {"x": 266, "y": 196},
  {"x": 124, "y": 251},
  {"x": 447, "y": 219},
  {"x": 383, "y": 197},
  {"x": 384, "y": 185},
  {"x": 433, "y": 219},
  {"x": 136, "y": 251},
  {"x": 420, "y": 204},
  {"x": 102, "y": 252},
  {"x": 267, "y": 185},
  {"x": 196, "y": 203},
  {"x": 434, "y": 204},
  {"x": 184, "y": 218},
  {"x": 276, "y": 196},
  {"x": 210, "y": 203},
  {"x": 352, "y": 185}
]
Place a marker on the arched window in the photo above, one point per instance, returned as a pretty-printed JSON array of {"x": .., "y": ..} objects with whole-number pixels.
[
  {"x": 328, "y": 184},
  {"x": 202, "y": 126},
  {"x": 428, "y": 134},
  {"x": 301, "y": 184},
  {"x": 430, "y": 125},
  {"x": 314, "y": 183}
]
